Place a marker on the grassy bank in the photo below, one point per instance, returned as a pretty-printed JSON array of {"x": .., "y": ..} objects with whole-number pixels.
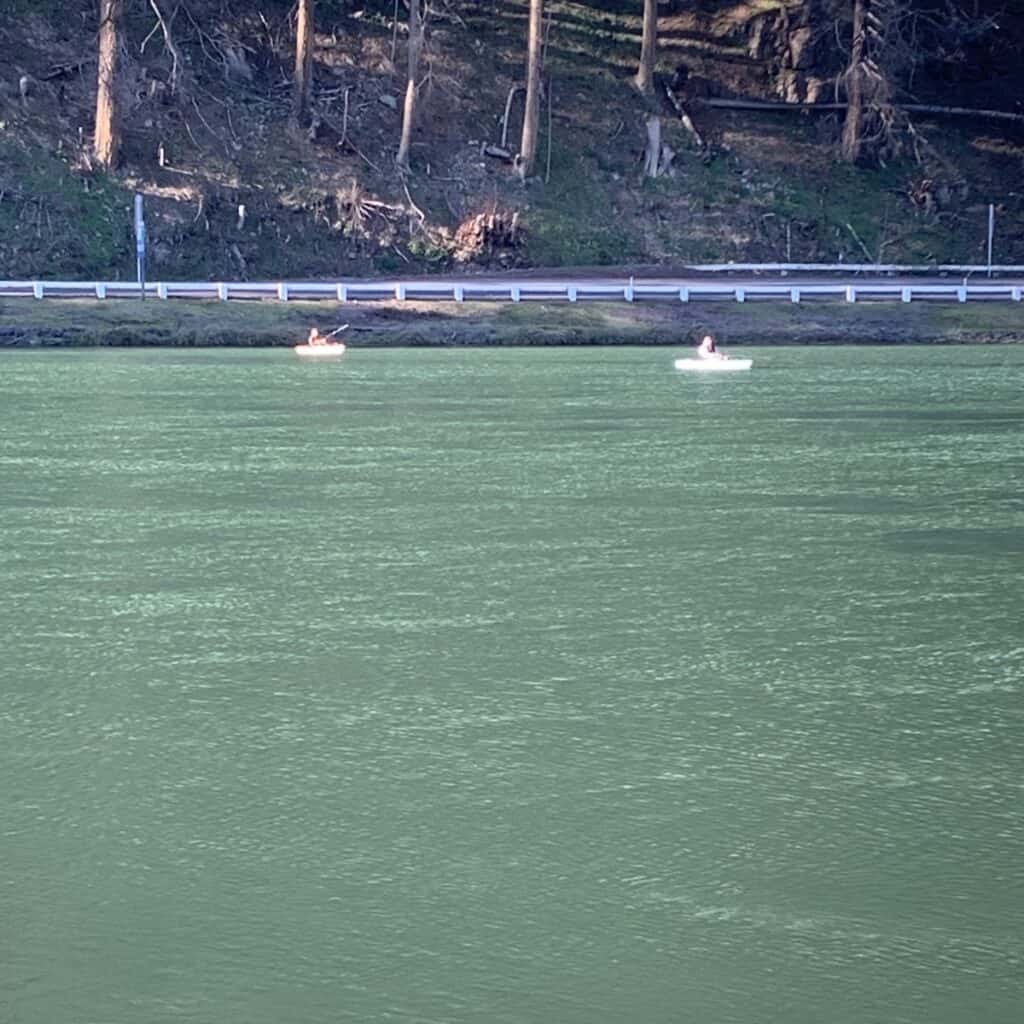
[{"x": 74, "y": 323}]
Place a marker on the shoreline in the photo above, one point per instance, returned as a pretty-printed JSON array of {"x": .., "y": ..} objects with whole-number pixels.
[{"x": 74, "y": 323}]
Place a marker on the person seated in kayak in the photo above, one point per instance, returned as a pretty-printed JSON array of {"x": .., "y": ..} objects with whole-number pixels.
[
  {"x": 708, "y": 349},
  {"x": 315, "y": 337}
]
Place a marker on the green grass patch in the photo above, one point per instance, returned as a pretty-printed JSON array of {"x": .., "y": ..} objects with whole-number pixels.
[
  {"x": 993, "y": 316},
  {"x": 79, "y": 323},
  {"x": 153, "y": 322},
  {"x": 54, "y": 222},
  {"x": 570, "y": 224}
]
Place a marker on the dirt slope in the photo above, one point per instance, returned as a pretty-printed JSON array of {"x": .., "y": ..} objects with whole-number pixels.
[{"x": 231, "y": 193}]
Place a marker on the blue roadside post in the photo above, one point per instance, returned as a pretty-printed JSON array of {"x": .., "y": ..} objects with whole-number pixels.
[
  {"x": 140, "y": 246},
  {"x": 991, "y": 232}
]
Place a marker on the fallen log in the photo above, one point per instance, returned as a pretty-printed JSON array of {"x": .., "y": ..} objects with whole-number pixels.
[
  {"x": 498, "y": 153},
  {"x": 684, "y": 116},
  {"x": 913, "y": 108},
  {"x": 62, "y": 71}
]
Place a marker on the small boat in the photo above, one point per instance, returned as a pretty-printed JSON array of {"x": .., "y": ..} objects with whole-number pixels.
[
  {"x": 328, "y": 350},
  {"x": 726, "y": 365}
]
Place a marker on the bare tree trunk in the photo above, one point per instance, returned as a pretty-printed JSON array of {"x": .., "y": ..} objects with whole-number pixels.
[
  {"x": 872, "y": 121},
  {"x": 107, "y": 136},
  {"x": 531, "y": 116},
  {"x": 652, "y": 152},
  {"x": 853, "y": 126},
  {"x": 644, "y": 79},
  {"x": 302, "y": 83},
  {"x": 409, "y": 111}
]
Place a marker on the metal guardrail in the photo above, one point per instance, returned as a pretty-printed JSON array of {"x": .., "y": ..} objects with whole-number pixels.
[
  {"x": 521, "y": 291},
  {"x": 961, "y": 269}
]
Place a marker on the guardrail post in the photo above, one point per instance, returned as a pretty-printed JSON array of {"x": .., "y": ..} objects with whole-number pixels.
[
  {"x": 282, "y": 292},
  {"x": 222, "y": 292},
  {"x": 515, "y": 293},
  {"x": 37, "y": 289},
  {"x": 741, "y": 295},
  {"x": 101, "y": 291},
  {"x": 906, "y": 295},
  {"x": 794, "y": 294},
  {"x": 460, "y": 293},
  {"x": 961, "y": 294},
  {"x": 161, "y": 290},
  {"x": 627, "y": 292},
  {"x": 571, "y": 292},
  {"x": 1015, "y": 294},
  {"x": 342, "y": 293},
  {"x": 684, "y": 294},
  {"x": 400, "y": 292},
  {"x": 851, "y": 294}
]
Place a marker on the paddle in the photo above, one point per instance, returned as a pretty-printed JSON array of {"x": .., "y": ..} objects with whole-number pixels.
[{"x": 336, "y": 331}]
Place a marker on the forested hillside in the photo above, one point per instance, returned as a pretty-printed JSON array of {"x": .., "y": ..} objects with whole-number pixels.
[{"x": 341, "y": 137}]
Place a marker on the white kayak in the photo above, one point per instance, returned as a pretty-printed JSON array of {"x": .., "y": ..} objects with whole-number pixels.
[
  {"x": 331, "y": 349},
  {"x": 726, "y": 365}
]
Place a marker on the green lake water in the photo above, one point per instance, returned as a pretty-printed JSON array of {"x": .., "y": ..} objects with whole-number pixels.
[{"x": 512, "y": 686}]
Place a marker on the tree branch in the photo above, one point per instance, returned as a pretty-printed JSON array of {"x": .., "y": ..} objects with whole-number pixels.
[{"x": 171, "y": 48}]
